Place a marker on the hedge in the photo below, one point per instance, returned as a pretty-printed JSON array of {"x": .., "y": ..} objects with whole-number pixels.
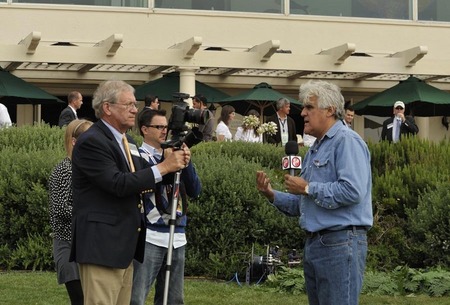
[{"x": 230, "y": 220}]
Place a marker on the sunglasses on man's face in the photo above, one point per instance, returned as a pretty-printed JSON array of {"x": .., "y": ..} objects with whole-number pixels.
[{"x": 399, "y": 108}]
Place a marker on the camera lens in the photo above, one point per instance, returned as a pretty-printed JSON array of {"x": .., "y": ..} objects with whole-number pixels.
[{"x": 196, "y": 116}]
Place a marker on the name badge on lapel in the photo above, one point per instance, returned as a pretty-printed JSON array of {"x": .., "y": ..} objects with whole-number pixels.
[{"x": 134, "y": 150}]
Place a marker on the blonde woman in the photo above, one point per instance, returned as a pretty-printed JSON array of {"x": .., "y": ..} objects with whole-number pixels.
[
  {"x": 60, "y": 210},
  {"x": 223, "y": 132}
]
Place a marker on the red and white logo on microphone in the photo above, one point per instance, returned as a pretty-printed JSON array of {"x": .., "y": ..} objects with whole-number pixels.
[{"x": 291, "y": 162}]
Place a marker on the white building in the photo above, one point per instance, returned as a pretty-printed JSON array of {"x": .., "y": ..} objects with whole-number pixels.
[{"x": 364, "y": 46}]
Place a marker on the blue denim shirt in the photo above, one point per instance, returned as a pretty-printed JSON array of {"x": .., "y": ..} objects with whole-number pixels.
[{"x": 338, "y": 170}]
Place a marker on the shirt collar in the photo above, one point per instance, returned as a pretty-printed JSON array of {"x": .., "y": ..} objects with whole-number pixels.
[
  {"x": 153, "y": 151},
  {"x": 117, "y": 135},
  {"x": 73, "y": 109},
  {"x": 332, "y": 131}
]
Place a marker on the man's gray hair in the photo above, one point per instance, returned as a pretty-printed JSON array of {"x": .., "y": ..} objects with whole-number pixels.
[
  {"x": 282, "y": 102},
  {"x": 108, "y": 91},
  {"x": 328, "y": 95}
]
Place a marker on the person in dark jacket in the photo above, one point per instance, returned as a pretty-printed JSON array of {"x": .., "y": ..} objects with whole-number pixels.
[
  {"x": 398, "y": 125},
  {"x": 109, "y": 176},
  {"x": 75, "y": 100},
  {"x": 285, "y": 125}
]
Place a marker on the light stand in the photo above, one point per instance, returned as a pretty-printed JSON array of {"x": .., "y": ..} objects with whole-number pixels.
[{"x": 172, "y": 223}]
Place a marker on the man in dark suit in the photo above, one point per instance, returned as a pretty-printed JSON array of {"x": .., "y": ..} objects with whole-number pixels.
[
  {"x": 68, "y": 114},
  {"x": 200, "y": 102},
  {"x": 285, "y": 124},
  {"x": 109, "y": 177},
  {"x": 151, "y": 102},
  {"x": 398, "y": 125}
]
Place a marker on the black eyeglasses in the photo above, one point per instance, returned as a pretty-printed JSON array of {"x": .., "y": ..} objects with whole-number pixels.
[
  {"x": 159, "y": 127},
  {"x": 399, "y": 108}
]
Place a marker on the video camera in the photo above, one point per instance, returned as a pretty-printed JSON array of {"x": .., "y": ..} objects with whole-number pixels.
[{"x": 182, "y": 114}]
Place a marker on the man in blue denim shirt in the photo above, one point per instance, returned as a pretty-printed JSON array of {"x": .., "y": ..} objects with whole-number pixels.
[{"x": 332, "y": 197}]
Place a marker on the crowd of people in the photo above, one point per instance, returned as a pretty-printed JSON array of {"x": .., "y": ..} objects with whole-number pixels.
[{"x": 118, "y": 211}]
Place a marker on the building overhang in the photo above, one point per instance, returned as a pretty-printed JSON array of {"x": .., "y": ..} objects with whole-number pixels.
[{"x": 64, "y": 61}]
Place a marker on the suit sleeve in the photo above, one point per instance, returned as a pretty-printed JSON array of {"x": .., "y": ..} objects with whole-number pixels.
[
  {"x": 384, "y": 131},
  {"x": 191, "y": 181},
  {"x": 292, "y": 130},
  {"x": 410, "y": 125},
  {"x": 105, "y": 166},
  {"x": 65, "y": 117}
]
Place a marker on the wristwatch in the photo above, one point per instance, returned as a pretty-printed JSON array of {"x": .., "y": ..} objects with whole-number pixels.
[{"x": 307, "y": 189}]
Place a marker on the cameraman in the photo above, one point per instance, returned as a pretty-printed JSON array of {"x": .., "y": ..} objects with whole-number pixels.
[
  {"x": 153, "y": 127},
  {"x": 199, "y": 102}
]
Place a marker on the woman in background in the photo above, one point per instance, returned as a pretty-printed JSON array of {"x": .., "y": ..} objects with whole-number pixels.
[
  {"x": 223, "y": 130},
  {"x": 60, "y": 210},
  {"x": 248, "y": 132}
]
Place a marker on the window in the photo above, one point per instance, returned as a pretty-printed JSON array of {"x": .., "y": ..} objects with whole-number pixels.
[
  {"x": 388, "y": 9},
  {"x": 256, "y": 6},
  {"x": 434, "y": 10},
  {"x": 123, "y": 3}
]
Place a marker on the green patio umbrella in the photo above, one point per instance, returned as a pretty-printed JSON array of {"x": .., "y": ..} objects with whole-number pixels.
[
  {"x": 261, "y": 98},
  {"x": 14, "y": 90},
  {"x": 169, "y": 84},
  {"x": 420, "y": 99}
]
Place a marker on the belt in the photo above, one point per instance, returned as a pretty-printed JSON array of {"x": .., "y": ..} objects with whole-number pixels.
[{"x": 326, "y": 231}]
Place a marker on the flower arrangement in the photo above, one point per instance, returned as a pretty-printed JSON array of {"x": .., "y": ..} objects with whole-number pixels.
[
  {"x": 270, "y": 128},
  {"x": 250, "y": 121}
]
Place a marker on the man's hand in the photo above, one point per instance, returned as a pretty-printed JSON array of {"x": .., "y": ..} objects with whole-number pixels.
[
  {"x": 263, "y": 185},
  {"x": 187, "y": 154},
  {"x": 295, "y": 185},
  {"x": 401, "y": 116},
  {"x": 174, "y": 160}
]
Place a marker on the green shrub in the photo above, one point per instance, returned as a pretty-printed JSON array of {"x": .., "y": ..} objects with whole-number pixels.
[
  {"x": 231, "y": 220},
  {"x": 230, "y": 217},
  {"x": 32, "y": 253},
  {"x": 401, "y": 172},
  {"x": 27, "y": 155},
  {"x": 430, "y": 225},
  {"x": 291, "y": 280},
  {"x": 400, "y": 281}
]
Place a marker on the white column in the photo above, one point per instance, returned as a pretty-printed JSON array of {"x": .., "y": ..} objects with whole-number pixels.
[
  {"x": 37, "y": 114},
  {"x": 187, "y": 82},
  {"x": 424, "y": 127},
  {"x": 358, "y": 125},
  {"x": 24, "y": 114}
]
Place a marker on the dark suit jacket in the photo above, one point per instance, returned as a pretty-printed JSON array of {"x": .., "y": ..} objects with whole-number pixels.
[
  {"x": 66, "y": 116},
  {"x": 408, "y": 127},
  {"x": 276, "y": 138},
  {"x": 108, "y": 228}
]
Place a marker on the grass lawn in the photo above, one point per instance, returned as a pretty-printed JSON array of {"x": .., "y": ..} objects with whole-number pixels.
[{"x": 40, "y": 288}]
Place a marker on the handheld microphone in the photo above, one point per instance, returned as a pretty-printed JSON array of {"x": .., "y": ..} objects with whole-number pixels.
[{"x": 291, "y": 161}]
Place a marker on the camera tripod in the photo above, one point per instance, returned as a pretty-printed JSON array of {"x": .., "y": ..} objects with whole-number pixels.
[{"x": 172, "y": 223}]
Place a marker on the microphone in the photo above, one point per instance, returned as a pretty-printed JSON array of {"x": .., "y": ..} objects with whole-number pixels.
[{"x": 291, "y": 161}]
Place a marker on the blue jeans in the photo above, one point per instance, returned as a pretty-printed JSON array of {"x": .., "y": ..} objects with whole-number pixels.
[
  {"x": 154, "y": 268},
  {"x": 334, "y": 265}
]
